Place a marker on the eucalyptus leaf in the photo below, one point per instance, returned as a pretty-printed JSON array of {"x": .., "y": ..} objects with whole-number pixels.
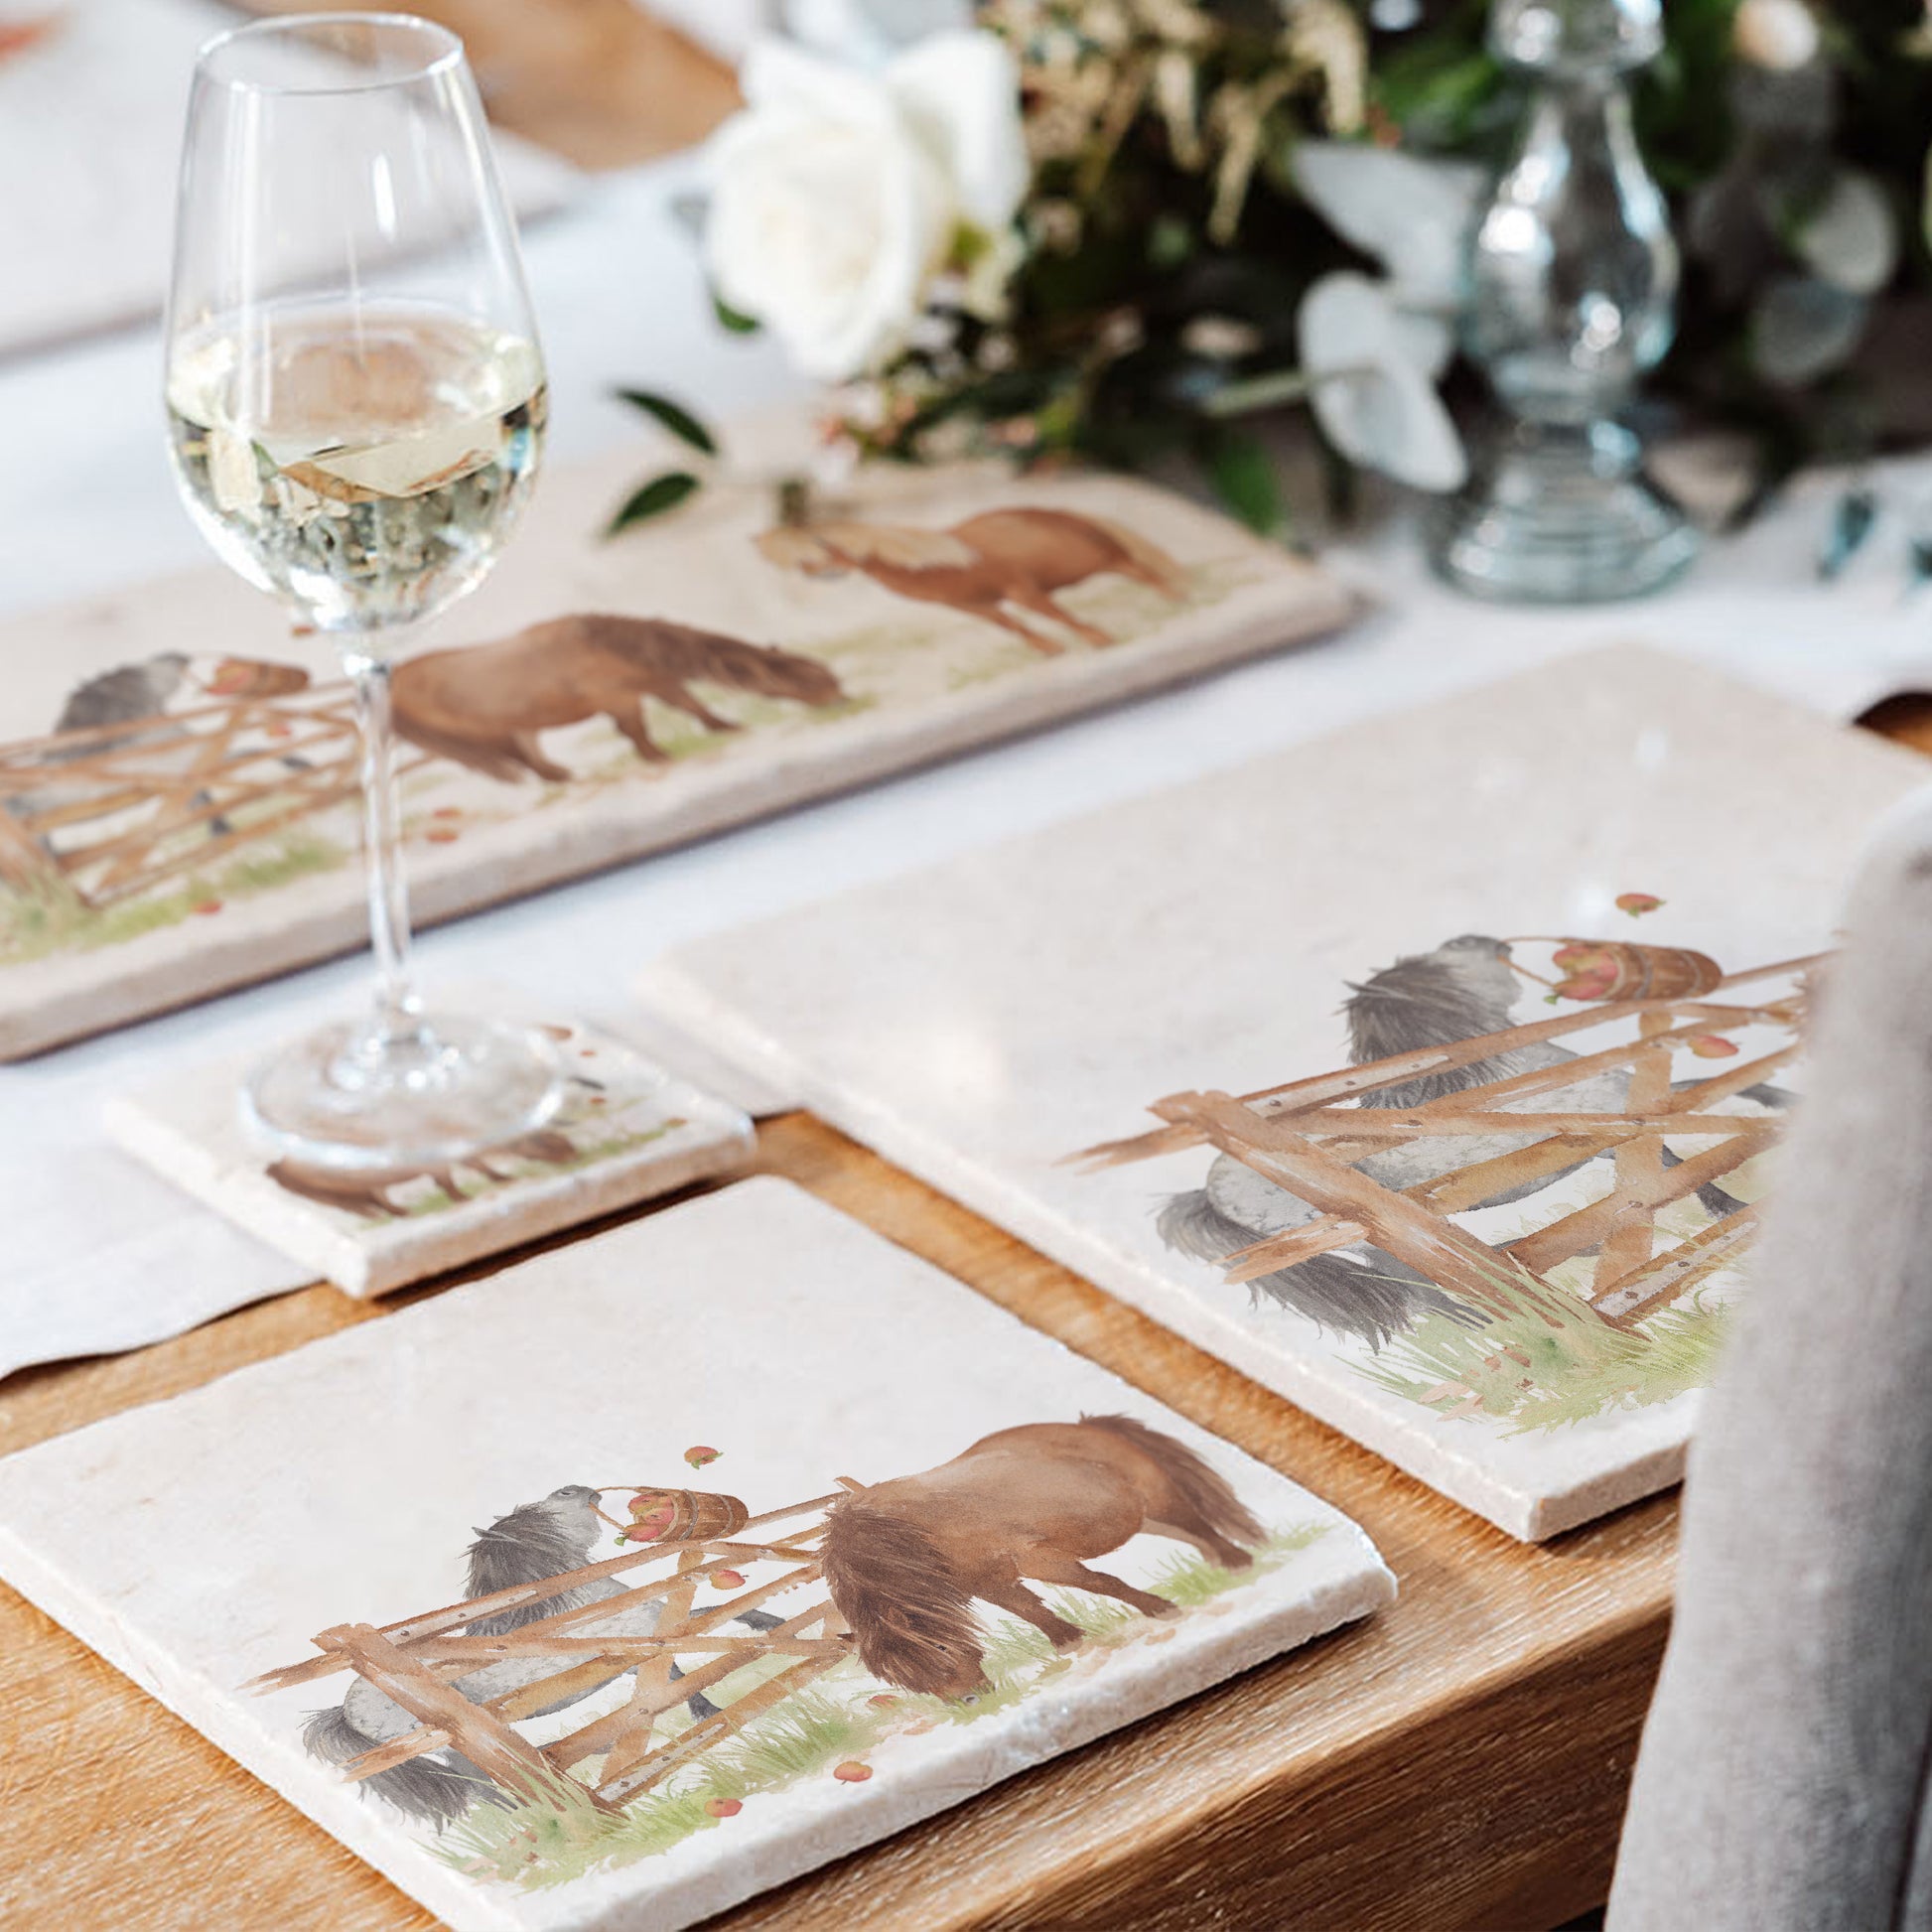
[
  {"x": 1852, "y": 519},
  {"x": 674, "y": 417},
  {"x": 1412, "y": 215},
  {"x": 661, "y": 493},
  {"x": 1371, "y": 369},
  {"x": 1801, "y": 328},
  {"x": 1850, "y": 240}
]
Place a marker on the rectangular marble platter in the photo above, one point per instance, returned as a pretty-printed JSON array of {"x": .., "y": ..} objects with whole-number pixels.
[
  {"x": 745, "y": 1378},
  {"x": 178, "y": 801},
  {"x": 1622, "y": 817}
]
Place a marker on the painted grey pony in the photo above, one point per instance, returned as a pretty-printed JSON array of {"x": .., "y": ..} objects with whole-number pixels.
[
  {"x": 1464, "y": 988},
  {"x": 535, "y": 1539}
]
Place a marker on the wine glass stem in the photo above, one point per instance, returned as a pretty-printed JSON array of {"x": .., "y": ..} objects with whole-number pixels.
[{"x": 397, "y": 1013}]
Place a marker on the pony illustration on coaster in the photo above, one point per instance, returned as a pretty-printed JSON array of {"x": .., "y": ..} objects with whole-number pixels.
[{"x": 715, "y": 1649}]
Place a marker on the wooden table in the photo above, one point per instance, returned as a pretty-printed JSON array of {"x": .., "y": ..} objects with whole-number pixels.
[
  {"x": 599, "y": 81},
  {"x": 1460, "y": 1761}
]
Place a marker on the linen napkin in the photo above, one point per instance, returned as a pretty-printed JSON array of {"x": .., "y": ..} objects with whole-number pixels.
[{"x": 1781, "y": 1782}]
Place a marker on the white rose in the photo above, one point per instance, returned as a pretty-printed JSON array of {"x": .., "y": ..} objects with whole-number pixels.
[
  {"x": 1781, "y": 35},
  {"x": 836, "y": 194}
]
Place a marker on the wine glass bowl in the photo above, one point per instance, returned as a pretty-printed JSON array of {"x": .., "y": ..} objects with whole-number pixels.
[{"x": 355, "y": 407}]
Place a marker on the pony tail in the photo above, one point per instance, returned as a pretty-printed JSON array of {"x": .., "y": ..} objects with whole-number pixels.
[
  {"x": 436, "y": 1792},
  {"x": 1147, "y": 554},
  {"x": 1199, "y": 1487},
  {"x": 911, "y": 1616}
]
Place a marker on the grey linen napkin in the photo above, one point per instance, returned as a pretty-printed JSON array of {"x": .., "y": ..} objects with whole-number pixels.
[{"x": 1782, "y": 1779}]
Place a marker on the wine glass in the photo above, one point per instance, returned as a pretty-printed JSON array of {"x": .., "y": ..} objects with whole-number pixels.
[{"x": 355, "y": 406}]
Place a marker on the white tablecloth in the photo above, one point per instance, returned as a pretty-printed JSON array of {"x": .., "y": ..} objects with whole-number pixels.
[
  {"x": 96, "y": 1255},
  {"x": 91, "y": 132}
]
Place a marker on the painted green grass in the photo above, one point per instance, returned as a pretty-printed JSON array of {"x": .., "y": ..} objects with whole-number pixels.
[
  {"x": 536, "y": 1847},
  {"x": 39, "y": 920},
  {"x": 1192, "y": 1580},
  {"x": 437, "y": 1201},
  {"x": 43, "y": 920},
  {"x": 1532, "y": 1377}
]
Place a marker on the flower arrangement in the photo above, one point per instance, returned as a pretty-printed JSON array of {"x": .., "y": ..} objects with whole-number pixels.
[{"x": 1120, "y": 229}]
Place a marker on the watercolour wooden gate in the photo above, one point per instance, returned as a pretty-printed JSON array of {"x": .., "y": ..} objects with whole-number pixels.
[
  {"x": 416, "y": 1661},
  {"x": 109, "y": 811},
  {"x": 1305, "y": 1137}
]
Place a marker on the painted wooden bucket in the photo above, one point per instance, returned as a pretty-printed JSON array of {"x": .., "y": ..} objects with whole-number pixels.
[
  {"x": 1615, "y": 969},
  {"x": 684, "y": 1516}
]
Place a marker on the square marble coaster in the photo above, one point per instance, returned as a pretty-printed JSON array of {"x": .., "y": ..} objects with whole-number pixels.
[
  {"x": 626, "y": 1130},
  {"x": 987, "y": 1020},
  {"x": 752, "y": 1355}
]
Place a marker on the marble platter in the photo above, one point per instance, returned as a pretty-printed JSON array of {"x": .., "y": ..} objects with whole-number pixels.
[
  {"x": 990, "y": 1021},
  {"x": 752, "y": 1350},
  {"x": 178, "y": 785}
]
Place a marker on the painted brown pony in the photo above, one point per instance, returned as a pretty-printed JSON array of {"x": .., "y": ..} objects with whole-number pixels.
[
  {"x": 904, "y": 1560},
  {"x": 483, "y": 705},
  {"x": 366, "y": 1190},
  {"x": 1011, "y": 556}
]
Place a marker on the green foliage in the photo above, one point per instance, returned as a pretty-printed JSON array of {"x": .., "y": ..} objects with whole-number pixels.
[
  {"x": 1155, "y": 208},
  {"x": 1243, "y": 475},
  {"x": 661, "y": 493},
  {"x": 673, "y": 417}
]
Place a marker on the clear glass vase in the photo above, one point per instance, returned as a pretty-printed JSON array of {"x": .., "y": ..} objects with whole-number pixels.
[{"x": 1572, "y": 295}]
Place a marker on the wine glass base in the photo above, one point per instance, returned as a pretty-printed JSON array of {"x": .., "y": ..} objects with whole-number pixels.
[
  {"x": 351, "y": 1097},
  {"x": 1564, "y": 517}
]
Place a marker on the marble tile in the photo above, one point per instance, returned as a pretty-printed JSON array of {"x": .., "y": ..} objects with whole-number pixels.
[
  {"x": 751, "y": 1353},
  {"x": 985, "y": 1021},
  {"x": 625, "y": 1131}
]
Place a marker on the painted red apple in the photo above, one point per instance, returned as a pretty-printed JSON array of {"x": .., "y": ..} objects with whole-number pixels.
[
  {"x": 728, "y": 1578},
  {"x": 851, "y": 1771},
  {"x": 653, "y": 1517},
  {"x": 1637, "y": 903},
  {"x": 1588, "y": 971},
  {"x": 724, "y": 1807},
  {"x": 1712, "y": 1046},
  {"x": 699, "y": 1456}
]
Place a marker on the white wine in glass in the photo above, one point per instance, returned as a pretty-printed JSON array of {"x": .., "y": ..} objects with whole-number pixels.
[{"x": 355, "y": 408}]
